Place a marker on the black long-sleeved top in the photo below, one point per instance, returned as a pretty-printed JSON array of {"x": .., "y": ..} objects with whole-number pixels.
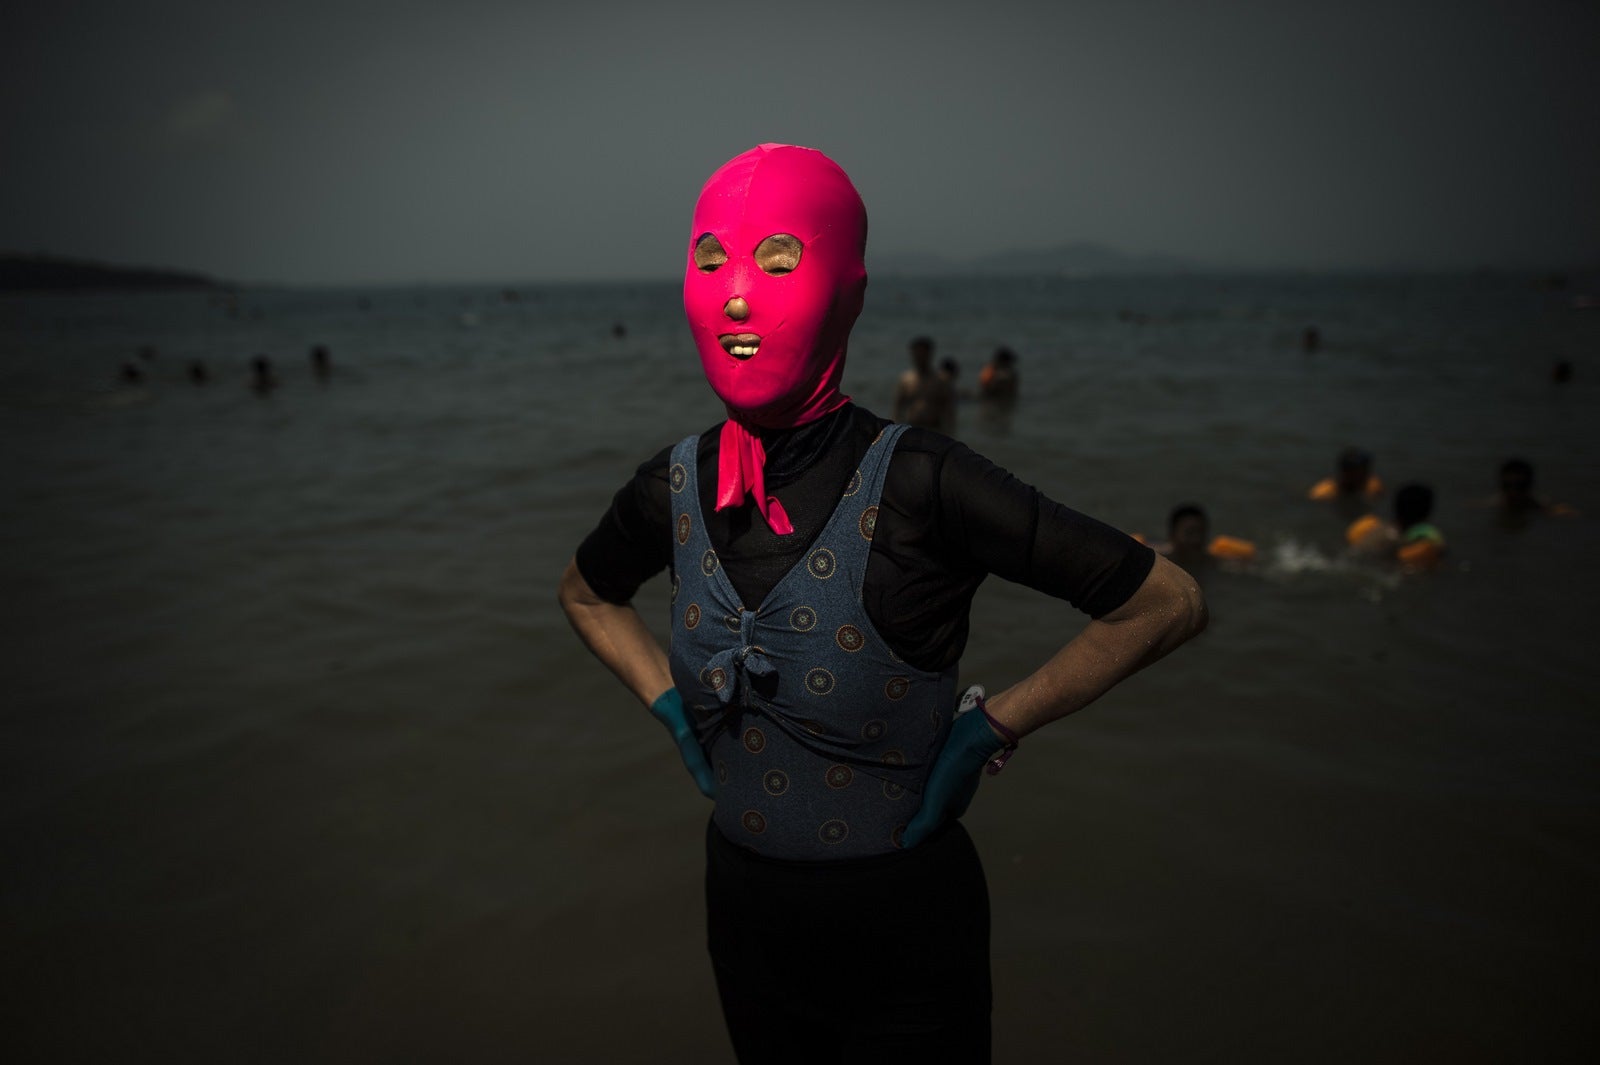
[{"x": 947, "y": 519}]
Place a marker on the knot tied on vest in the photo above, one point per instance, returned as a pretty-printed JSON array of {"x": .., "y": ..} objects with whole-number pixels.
[{"x": 819, "y": 735}]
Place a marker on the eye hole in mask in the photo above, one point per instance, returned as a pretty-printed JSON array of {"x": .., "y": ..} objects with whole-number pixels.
[
  {"x": 779, "y": 254},
  {"x": 708, "y": 253}
]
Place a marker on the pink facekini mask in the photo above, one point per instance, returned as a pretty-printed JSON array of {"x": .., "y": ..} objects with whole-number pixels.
[{"x": 776, "y": 359}]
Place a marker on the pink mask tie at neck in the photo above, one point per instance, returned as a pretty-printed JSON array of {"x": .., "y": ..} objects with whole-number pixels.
[
  {"x": 741, "y": 470},
  {"x": 799, "y": 318}
]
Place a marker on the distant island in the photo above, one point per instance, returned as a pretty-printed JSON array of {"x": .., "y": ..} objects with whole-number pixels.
[
  {"x": 46, "y": 273},
  {"x": 1081, "y": 259}
]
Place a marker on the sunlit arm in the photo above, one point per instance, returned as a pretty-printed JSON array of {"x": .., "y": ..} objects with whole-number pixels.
[
  {"x": 617, "y": 635},
  {"x": 1166, "y": 610}
]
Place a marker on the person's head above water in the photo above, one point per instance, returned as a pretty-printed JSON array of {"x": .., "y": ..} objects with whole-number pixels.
[
  {"x": 1355, "y": 467},
  {"x": 1412, "y": 505},
  {"x": 1516, "y": 482},
  {"x": 774, "y": 280},
  {"x": 1188, "y": 528}
]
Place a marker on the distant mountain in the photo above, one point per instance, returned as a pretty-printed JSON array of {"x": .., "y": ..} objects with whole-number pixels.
[
  {"x": 43, "y": 273},
  {"x": 1082, "y": 258}
]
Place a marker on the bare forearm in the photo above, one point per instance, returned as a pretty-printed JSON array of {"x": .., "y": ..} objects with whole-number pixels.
[
  {"x": 617, "y": 636},
  {"x": 1167, "y": 610}
]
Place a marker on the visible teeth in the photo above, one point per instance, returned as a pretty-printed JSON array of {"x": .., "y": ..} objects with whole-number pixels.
[{"x": 739, "y": 347}]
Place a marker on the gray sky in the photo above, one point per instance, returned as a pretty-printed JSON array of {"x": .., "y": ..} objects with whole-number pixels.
[{"x": 321, "y": 142}]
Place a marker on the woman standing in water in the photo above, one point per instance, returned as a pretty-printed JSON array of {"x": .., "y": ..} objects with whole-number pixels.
[{"x": 823, "y": 564}]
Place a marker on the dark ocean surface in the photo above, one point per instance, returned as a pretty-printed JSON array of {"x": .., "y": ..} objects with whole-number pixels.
[{"x": 302, "y": 763}]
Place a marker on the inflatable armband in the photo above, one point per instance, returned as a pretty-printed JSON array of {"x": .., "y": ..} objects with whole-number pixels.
[
  {"x": 1362, "y": 529},
  {"x": 1420, "y": 552},
  {"x": 1328, "y": 488},
  {"x": 1423, "y": 546},
  {"x": 1231, "y": 547}
]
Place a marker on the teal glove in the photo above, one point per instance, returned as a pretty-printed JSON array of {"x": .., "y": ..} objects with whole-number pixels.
[
  {"x": 955, "y": 775},
  {"x": 669, "y": 710}
]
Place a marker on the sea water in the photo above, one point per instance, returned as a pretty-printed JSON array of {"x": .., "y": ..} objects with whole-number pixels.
[{"x": 301, "y": 761}]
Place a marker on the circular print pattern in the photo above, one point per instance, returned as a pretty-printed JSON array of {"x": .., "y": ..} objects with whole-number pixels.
[
  {"x": 822, "y": 563},
  {"x": 691, "y": 617},
  {"x": 892, "y": 790},
  {"x": 753, "y": 822},
  {"x": 833, "y": 831},
  {"x": 708, "y": 562},
  {"x": 802, "y": 619},
  {"x": 897, "y": 687},
  {"x": 683, "y": 528},
  {"x": 895, "y": 836},
  {"x": 874, "y": 730},
  {"x": 855, "y": 484},
  {"x": 731, "y": 623},
  {"x": 812, "y": 726},
  {"x": 850, "y": 638},
  {"x": 893, "y": 758},
  {"x": 868, "y": 522},
  {"x": 718, "y": 679},
  {"x": 754, "y": 741},
  {"x": 677, "y": 477},
  {"x": 839, "y": 776},
  {"x": 776, "y": 782},
  {"x": 819, "y": 681}
]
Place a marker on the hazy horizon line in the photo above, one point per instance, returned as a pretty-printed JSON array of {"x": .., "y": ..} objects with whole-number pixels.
[{"x": 898, "y": 267}]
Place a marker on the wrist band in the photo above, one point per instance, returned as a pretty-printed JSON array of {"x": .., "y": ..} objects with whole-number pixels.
[{"x": 998, "y": 762}]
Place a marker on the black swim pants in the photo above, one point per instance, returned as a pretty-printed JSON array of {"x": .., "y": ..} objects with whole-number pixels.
[{"x": 881, "y": 960}]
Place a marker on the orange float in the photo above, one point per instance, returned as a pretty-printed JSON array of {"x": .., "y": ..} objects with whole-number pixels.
[{"x": 1231, "y": 547}]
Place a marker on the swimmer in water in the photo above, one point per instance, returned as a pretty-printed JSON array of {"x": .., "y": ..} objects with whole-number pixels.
[
  {"x": 923, "y": 397},
  {"x": 1190, "y": 543},
  {"x": 1516, "y": 500},
  {"x": 1353, "y": 479},
  {"x": 321, "y": 363},
  {"x": 262, "y": 379},
  {"x": 998, "y": 380},
  {"x": 950, "y": 372},
  {"x": 1409, "y": 538}
]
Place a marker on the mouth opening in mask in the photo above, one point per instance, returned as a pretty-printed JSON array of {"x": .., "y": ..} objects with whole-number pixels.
[{"x": 740, "y": 345}]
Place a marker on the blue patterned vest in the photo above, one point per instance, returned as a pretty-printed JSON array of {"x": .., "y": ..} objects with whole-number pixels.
[{"x": 820, "y": 737}]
